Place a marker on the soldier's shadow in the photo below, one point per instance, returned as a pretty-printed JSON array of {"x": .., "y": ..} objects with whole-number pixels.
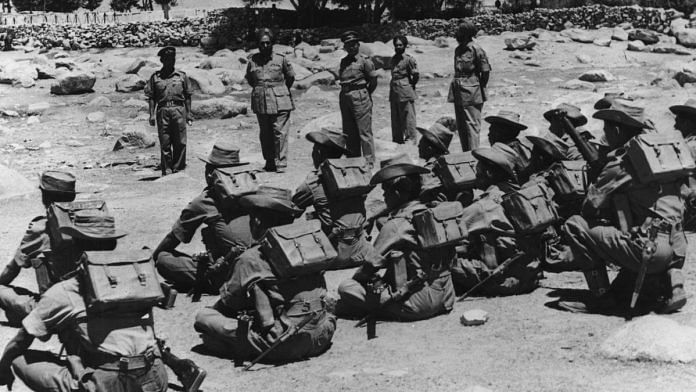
[{"x": 580, "y": 295}]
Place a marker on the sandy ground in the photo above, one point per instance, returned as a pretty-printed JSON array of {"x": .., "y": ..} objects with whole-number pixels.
[{"x": 526, "y": 346}]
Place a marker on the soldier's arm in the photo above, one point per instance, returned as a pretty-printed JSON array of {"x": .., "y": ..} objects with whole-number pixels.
[
  {"x": 288, "y": 72},
  {"x": 187, "y": 99},
  {"x": 150, "y": 94},
  {"x": 484, "y": 67},
  {"x": 168, "y": 243},
  {"x": 250, "y": 75},
  {"x": 9, "y": 273},
  {"x": 14, "y": 349},
  {"x": 370, "y": 76},
  {"x": 414, "y": 74}
]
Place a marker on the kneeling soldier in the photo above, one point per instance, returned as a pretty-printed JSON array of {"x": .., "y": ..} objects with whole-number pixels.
[{"x": 274, "y": 305}]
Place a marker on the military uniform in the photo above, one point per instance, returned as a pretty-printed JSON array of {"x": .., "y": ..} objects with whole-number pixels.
[
  {"x": 402, "y": 97},
  {"x": 170, "y": 94},
  {"x": 342, "y": 221},
  {"x": 102, "y": 342},
  {"x": 221, "y": 234},
  {"x": 274, "y": 303},
  {"x": 467, "y": 93},
  {"x": 272, "y": 103},
  {"x": 398, "y": 235},
  {"x": 356, "y": 104}
]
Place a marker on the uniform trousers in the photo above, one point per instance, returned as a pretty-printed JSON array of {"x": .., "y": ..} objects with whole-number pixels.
[
  {"x": 171, "y": 129},
  {"x": 403, "y": 120},
  {"x": 356, "y": 116},
  {"x": 274, "y": 130},
  {"x": 469, "y": 125}
]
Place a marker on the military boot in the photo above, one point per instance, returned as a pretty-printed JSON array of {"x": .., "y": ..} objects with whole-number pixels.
[
  {"x": 677, "y": 295},
  {"x": 602, "y": 301},
  {"x": 189, "y": 374}
]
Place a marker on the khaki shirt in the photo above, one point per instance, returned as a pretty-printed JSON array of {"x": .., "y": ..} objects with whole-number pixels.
[
  {"x": 402, "y": 70},
  {"x": 176, "y": 87},
  {"x": 469, "y": 62},
  {"x": 356, "y": 71},
  {"x": 34, "y": 243},
  {"x": 267, "y": 76}
]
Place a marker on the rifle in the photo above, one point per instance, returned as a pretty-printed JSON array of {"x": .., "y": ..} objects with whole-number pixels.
[
  {"x": 649, "y": 249},
  {"x": 587, "y": 150},
  {"x": 203, "y": 262},
  {"x": 406, "y": 290},
  {"x": 499, "y": 270},
  {"x": 290, "y": 332}
]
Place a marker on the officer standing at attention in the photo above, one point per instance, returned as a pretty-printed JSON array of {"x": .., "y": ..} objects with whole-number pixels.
[
  {"x": 169, "y": 97},
  {"x": 402, "y": 93},
  {"x": 271, "y": 76},
  {"x": 358, "y": 81},
  {"x": 468, "y": 89}
]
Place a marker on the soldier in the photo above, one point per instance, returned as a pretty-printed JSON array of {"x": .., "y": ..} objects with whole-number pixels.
[
  {"x": 468, "y": 88},
  {"x": 398, "y": 250},
  {"x": 169, "y": 97},
  {"x": 358, "y": 81},
  {"x": 402, "y": 92},
  {"x": 505, "y": 127},
  {"x": 275, "y": 304},
  {"x": 434, "y": 143},
  {"x": 342, "y": 220},
  {"x": 226, "y": 234},
  {"x": 577, "y": 120},
  {"x": 491, "y": 245},
  {"x": 17, "y": 302},
  {"x": 621, "y": 217},
  {"x": 271, "y": 76},
  {"x": 685, "y": 121}
]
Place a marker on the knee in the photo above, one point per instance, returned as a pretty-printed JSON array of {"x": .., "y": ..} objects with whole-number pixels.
[{"x": 576, "y": 226}]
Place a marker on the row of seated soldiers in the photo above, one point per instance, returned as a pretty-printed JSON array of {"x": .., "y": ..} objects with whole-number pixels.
[{"x": 615, "y": 218}]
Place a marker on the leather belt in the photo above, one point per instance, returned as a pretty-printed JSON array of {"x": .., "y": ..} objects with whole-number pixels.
[
  {"x": 125, "y": 363},
  {"x": 346, "y": 88},
  {"x": 167, "y": 104}
]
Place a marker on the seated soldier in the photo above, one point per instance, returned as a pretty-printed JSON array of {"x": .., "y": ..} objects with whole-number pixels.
[
  {"x": 225, "y": 236},
  {"x": 685, "y": 122},
  {"x": 505, "y": 127},
  {"x": 627, "y": 223},
  {"x": 491, "y": 245},
  {"x": 274, "y": 304},
  {"x": 400, "y": 253},
  {"x": 577, "y": 120},
  {"x": 17, "y": 302},
  {"x": 433, "y": 144},
  {"x": 341, "y": 220}
]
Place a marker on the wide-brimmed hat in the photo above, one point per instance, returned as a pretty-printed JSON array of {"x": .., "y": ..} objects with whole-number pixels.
[
  {"x": 573, "y": 112},
  {"x": 329, "y": 137},
  {"x": 90, "y": 225},
  {"x": 396, "y": 166},
  {"x": 349, "y": 36},
  {"x": 507, "y": 118},
  {"x": 606, "y": 101},
  {"x": 57, "y": 181},
  {"x": 271, "y": 198},
  {"x": 687, "y": 109},
  {"x": 223, "y": 155},
  {"x": 621, "y": 113},
  {"x": 167, "y": 51},
  {"x": 500, "y": 155},
  {"x": 438, "y": 135},
  {"x": 551, "y": 145}
]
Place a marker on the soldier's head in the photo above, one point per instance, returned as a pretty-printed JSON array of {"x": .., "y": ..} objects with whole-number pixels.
[
  {"x": 621, "y": 123},
  {"x": 400, "y": 43},
  {"x": 499, "y": 163},
  {"x": 167, "y": 56},
  {"x": 328, "y": 144},
  {"x": 264, "y": 38},
  {"x": 685, "y": 117},
  {"x": 573, "y": 113},
  {"x": 56, "y": 186},
  {"x": 547, "y": 150},
  {"x": 466, "y": 32},
  {"x": 400, "y": 179},
  {"x": 268, "y": 208},
  {"x": 435, "y": 141},
  {"x": 351, "y": 42},
  {"x": 504, "y": 127},
  {"x": 223, "y": 155}
]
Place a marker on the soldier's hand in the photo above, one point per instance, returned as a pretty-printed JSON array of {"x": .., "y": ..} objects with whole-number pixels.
[
  {"x": 152, "y": 121},
  {"x": 558, "y": 114},
  {"x": 189, "y": 122}
]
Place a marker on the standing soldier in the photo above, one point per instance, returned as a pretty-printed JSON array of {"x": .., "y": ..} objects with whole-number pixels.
[
  {"x": 468, "y": 89},
  {"x": 169, "y": 98},
  {"x": 271, "y": 76},
  {"x": 402, "y": 93},
  {"x": 358, "y": 80}
]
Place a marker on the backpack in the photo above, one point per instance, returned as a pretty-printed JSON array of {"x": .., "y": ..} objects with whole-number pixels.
[
  {"x": 297, "y": 249},
  {"x": 457, "y": 171},
  {"x": 63, "y": 215},
  {"x": 440, "y": 225},
  {"x": 231, "y": 185},
  {"x": 486, "y": 214},
  {"x": 123, "y": 281},
  {"x": 568, "y": 179},
  {"x": 530, "y": 209},
  {"x": 660, "y": 157},
  {"x": 347, "y": 177}
]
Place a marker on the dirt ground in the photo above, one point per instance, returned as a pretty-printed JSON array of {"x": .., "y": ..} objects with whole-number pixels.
[{"x": 525, "y": 346}]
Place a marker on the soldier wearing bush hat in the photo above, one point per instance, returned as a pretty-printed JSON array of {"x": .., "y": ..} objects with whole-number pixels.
[
  {"x": 577, "y": 120},
  {"x": 505, "y": 127},
  {"x": 685, "y": 121}
]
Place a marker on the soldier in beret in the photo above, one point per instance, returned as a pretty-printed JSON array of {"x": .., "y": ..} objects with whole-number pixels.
[{"x": 402, "y": 92}]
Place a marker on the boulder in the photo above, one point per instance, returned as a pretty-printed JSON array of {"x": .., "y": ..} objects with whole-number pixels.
[
  {"x": 583, "y": 58},
  {"x": 135, "y": 66},
  {"x": 311, "y": 53},
  {"x": 134, "y": 138},
  {"x": 217, "y": 108},
  {"x": 318, "y": 94},
  {"x": 441, "y": 42},
  {"x": 18, "y": 75},
  {"x": 140, "y": 104},
  {"x": 686, "y": 37},
  {"x": 677, "y": 25},
  {"x": 74, "y": 83},
  {"x": 205, "y": 82},
  {"x": 474, "y": 317},
  {"x": 578, "y": 35},
  {"x": 146, "y": 73},
  {"x": 636, "y": 46},
  {"x": 577, "y": 85},
  {"x": 324, "y": 78},
  {"x": 652, "y": 338},
  {"x": 602, "y": 42},
  {"x": 229, "y": 77},
  {"x": 520, "y": 43},
  {"x": 663, "y": 48},
  {"x": 14, "y": 184},
  {"x": 415, "y": 41},
  {"x": 335, "y": 42},
  {"x": 619, "y": 34},
  {"x": 300, "y": 71},
  {"x": 130, "y": 83},
  {"x": 597, "y": 75},
  {"x": 100, "y": 101},
  {"x": 379, "y": 52},
  {"x": 685, "y": 76},
  {"x": 44, "y": 68},
  {"x": 230, "y": 61},
  {"x": 327, "y": 49},
  {"x": 38, "y": 108},
  {"x": 331, "y": 120},
  {"x": 648, "y": 37}
]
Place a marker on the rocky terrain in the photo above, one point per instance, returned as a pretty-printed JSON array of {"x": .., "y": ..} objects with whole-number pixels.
[{"x": 84, "y": 111}]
